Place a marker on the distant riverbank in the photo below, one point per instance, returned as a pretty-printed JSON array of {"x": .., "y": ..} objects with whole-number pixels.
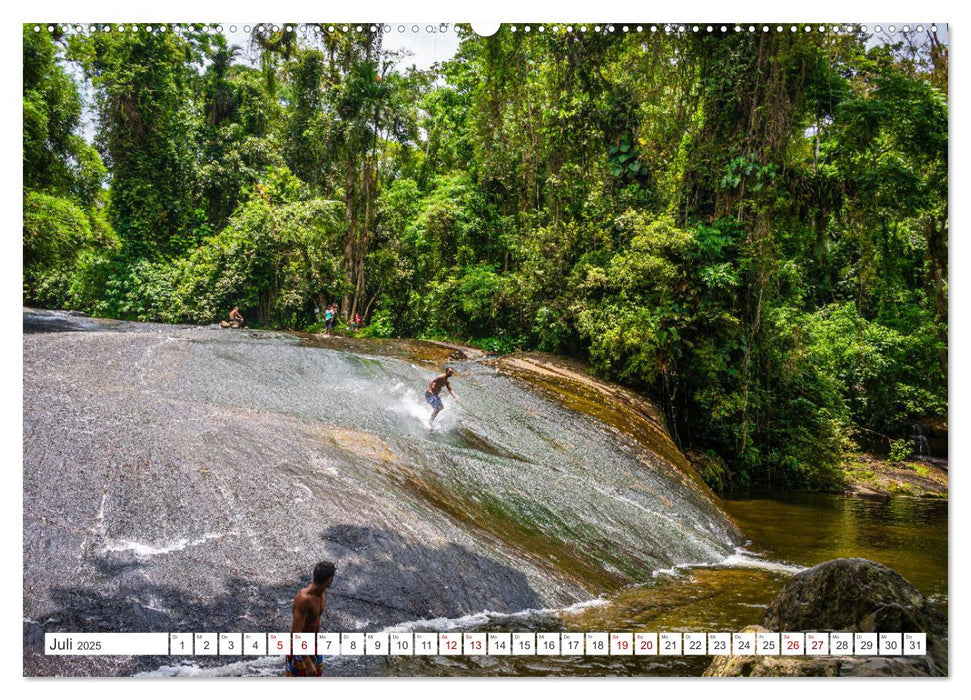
[{"x": 869, "y": 475}]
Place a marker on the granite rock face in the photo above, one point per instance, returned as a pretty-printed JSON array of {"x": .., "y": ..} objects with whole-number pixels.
[
  {"x": 852, "y": 595},
  {"x": 181, "y": 478}
]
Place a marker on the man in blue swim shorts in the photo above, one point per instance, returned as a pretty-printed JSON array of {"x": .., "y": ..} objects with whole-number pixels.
[{"x": 432, "y": 395}]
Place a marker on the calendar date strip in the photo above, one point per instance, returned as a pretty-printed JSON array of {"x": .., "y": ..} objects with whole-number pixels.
[{"x": 243, "y": 644}]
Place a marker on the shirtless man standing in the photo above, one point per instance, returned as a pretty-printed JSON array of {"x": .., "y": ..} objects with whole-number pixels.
[
  {"x": 434, "y": 388},
  {"x": 308, "y": 605}
]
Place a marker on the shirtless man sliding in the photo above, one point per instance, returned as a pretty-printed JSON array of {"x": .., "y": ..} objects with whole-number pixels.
[
  {"x": 434, "y": 388},
  {"x": 308, "y": 605}
]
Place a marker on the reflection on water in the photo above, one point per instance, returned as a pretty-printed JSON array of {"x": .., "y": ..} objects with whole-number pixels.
[{"x": 908, "y": 535}]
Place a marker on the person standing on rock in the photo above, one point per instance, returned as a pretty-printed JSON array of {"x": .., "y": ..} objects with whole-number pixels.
[
  {"x": 329, "y": 315},
  {"x": 432, "y": 395},
  {"x": 308, "y": 606}
]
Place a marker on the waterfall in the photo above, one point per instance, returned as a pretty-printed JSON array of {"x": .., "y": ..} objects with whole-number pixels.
[{"x": 919, "y": 440}]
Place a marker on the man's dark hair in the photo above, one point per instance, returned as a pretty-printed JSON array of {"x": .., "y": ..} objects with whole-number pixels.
[
  {"x": 449, "y": 370},
  {"x": 323, "y": 571}
]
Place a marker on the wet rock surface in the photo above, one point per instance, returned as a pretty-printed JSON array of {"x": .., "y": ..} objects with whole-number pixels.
[
  {"x": 187, "y": 479},
  {"x": 852, "y": 595}
]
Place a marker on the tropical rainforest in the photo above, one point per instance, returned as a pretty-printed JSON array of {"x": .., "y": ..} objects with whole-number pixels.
[{"x": 749, "y": 226}]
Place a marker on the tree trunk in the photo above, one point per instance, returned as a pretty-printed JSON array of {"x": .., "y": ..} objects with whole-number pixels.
[
  {"x": 937, "y": 252},
  {"x": 350, "y": 238}
]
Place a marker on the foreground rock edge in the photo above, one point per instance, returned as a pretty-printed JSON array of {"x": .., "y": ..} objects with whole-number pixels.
[{"x": 852, "y": 595}]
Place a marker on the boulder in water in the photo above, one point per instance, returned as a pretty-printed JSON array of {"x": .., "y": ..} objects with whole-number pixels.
[{"x": 854, "y": 595}]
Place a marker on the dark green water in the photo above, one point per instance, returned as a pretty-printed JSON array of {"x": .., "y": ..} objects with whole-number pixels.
[{"x": 908, "y": 535}]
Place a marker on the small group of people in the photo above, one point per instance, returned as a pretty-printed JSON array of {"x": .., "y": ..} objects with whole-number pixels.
[
  {"x": 330, "y": 315},
  {"x": 330, "y": 318}
]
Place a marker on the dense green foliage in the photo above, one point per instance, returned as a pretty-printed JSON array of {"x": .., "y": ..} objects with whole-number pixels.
[
  {"x": 68, "y": 243},
  {"x": 752, "y": 227}
]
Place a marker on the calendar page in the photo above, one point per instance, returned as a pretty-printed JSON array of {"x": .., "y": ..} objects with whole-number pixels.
[{"x": 436, "y": 348}]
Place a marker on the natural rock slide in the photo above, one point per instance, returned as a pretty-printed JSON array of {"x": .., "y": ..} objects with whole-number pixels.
[{"x": 186, "y": 478}]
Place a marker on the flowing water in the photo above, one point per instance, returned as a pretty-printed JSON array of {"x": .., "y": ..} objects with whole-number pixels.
[
  {"x": 790, "y": 531},
  {"x": 186, "y": 479}
]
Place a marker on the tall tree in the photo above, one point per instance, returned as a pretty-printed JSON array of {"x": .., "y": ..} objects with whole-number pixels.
[
  {"x": 144, "y": 82},
  {"x": 360, "y": 94},
  {"x": 56, "y": 157}
]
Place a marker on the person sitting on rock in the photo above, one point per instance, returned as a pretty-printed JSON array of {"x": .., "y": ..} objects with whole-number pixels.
[{"x": 235, "y": 319}]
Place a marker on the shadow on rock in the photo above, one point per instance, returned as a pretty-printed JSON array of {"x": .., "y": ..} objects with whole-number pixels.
[
  {"x": 383, "y": 580},
  {"x": 42, "y": 321},
  {"x": 390, "y": 579}
]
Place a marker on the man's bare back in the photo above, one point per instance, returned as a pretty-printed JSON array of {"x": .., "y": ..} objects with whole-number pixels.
[{"x": 438, "y": 383}]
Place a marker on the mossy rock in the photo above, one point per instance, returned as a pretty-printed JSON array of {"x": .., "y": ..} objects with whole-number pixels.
[{"x": 852, "y": 595}]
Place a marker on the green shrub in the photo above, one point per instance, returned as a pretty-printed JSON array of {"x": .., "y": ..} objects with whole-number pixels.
[
  {"x": 899, "y": 451},
  {"x": 67, "y": 250},
  {"x": 276, "y": 259},
  {"x": 380, "y": 325}
]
